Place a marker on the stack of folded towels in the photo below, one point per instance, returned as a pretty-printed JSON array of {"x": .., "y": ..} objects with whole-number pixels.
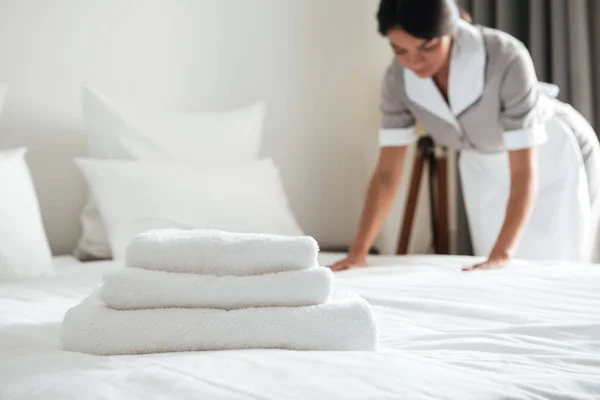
[{"x": 191, "y": 290}]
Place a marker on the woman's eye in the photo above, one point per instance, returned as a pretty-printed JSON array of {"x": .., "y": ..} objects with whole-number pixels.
[
  {"x": 430, "y": 47},
  {"x": 399, "y": 52}
]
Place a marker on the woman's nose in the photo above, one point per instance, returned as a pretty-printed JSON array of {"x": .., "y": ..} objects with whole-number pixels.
[{"x": 416, "y": 60}]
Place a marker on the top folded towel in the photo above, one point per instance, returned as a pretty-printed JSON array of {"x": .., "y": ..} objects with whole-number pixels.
[{"x": 219, "y": 253}]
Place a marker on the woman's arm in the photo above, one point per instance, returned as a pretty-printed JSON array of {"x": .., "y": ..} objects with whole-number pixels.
[
  {"x": 523, "y": 192},
  {"x": 379, "y": 200}
]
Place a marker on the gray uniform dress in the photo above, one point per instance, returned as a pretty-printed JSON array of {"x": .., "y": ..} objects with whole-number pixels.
[{"x": 496, "y": 105}]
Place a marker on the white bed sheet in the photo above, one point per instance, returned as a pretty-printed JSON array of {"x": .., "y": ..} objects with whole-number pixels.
[{"x": 529, "y": 332}]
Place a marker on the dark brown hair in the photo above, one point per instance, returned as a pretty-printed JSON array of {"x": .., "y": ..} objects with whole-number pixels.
[{"x": 425, "y": 19}]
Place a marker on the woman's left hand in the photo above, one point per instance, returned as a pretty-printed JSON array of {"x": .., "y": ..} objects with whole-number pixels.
[{"x": 494, "y": 262}]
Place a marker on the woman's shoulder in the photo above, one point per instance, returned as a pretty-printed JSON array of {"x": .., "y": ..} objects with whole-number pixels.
[
  {"x": 394, "y": 73},
  {"x": 502, "y": 45},
  {"x": 503, "y": 50}
]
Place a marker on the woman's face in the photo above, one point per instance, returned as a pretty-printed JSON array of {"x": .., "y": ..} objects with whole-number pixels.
[{"x": 423, "y": 57}]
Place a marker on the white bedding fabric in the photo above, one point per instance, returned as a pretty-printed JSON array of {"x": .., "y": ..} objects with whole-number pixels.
[{"x": 529, "y": 332}]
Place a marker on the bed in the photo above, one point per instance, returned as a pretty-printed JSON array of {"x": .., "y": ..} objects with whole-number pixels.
[{"x": 527, "y": 332}]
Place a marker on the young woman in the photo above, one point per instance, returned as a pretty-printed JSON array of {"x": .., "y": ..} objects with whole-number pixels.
[{"x": 529, "y": 164}]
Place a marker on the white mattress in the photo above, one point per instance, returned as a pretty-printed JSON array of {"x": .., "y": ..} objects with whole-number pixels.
[{"x": 530, "y": 332}]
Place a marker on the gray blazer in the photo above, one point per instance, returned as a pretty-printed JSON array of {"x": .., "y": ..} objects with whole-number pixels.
[{"x": 495, "y": 100}]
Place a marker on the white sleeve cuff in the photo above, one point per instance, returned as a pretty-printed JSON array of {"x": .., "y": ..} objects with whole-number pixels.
[
  {"x": 525, "y": 138},
  {"x": 398, "y": 137}
]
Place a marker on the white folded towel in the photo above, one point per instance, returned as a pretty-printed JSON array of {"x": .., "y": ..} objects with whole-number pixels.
[
  {"x": 134, "y": 288},
  {"x": 346, "y": 322},
  {"x": 212, "y": 252}
]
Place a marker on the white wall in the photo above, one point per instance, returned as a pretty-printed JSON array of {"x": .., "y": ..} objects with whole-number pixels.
[
  {"x": 317, "y": 63},
  {"x": 47, "y": 49}
]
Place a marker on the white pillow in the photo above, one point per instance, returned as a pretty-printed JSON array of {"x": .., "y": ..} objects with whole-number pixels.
[
  {"x": 207, "y": 139},
  {"x": 24, "y": 249},
  {"x": 138, "y": 196}
]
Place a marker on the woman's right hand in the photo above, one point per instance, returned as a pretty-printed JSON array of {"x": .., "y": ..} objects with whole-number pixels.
[
  {"x": 380, "y": 199},
  {"x": 349, "y": 262}
]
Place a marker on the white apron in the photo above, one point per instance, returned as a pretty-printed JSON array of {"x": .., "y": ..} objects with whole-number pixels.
[{"x": 559, "y": 227}]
